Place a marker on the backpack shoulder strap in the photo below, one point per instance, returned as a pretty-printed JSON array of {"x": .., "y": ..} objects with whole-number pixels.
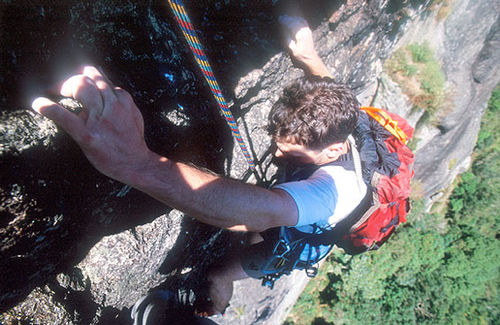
[
  {"x": 337, "y": 233},
  {"x": 357, "y": 162},
  {"x": 387, "y": 122}
]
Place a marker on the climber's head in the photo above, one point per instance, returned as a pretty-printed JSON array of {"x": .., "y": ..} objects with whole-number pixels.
[{"x": 313, "y": 115}]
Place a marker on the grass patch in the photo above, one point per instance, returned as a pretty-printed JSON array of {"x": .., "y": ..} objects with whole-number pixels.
[{"x": 419, "y": 75}]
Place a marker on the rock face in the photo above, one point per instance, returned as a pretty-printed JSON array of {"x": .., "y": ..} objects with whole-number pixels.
[{"x": 78, "y": 248}]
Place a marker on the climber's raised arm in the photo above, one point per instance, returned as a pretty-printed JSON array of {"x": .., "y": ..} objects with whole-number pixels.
[
  {"x": 110, "y": 131},
  {"x": 301, "y": 45}
]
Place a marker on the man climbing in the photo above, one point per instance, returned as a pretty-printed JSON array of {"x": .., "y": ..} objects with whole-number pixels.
[{"x": 310, "y": 124}]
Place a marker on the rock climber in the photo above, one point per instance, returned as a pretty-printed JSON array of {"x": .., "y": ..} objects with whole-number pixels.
[{"x": 309, "y": 124}]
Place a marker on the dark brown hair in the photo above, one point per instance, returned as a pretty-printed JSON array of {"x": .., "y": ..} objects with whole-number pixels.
[{"x": 314, "y": 112}]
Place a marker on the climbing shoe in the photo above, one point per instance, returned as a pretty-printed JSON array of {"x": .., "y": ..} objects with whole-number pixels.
[
  {"x": 171, "y": 307},
  {"x": 164, "y": 307}
]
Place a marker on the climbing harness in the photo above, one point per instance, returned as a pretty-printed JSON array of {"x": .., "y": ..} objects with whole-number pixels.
[
  {"x": 294, "y": 250},
  {"x": 199, "y": 54}
]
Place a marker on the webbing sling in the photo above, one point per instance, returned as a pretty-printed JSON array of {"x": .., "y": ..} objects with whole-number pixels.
[{"x": 200, "y": 57}]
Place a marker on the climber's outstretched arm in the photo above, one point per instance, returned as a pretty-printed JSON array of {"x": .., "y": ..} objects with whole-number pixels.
[
  {"x": 301, "y": 45},
  {"x": 110, "y": 131}
]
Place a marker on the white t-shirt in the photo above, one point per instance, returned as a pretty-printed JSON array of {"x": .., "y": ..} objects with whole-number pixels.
[{"x": 326, "y": 197}]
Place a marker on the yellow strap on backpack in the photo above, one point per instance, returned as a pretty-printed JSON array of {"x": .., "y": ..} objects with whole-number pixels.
[{"x": 387, "y": 122}]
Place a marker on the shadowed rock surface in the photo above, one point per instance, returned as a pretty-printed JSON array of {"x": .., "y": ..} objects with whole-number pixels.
[{"x": 79, "y": 248}]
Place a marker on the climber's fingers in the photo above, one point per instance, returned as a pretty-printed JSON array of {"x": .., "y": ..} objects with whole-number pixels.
[
  {"x": 114, "y": 98},
  {"x": 299, "y": 38},
  {"x": 85, "y": 91},
  {"x": 70, "y": 122},
  {"x": 292, "y": 24},
  {"x": 103, "y": 84},
  {"x": 95, "y": 92}
]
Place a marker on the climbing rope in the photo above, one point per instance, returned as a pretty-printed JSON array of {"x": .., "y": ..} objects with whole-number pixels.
[{"x": 200, "y": 57}]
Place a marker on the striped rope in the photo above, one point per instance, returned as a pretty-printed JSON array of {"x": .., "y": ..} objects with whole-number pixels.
[{"x": 200, "y": 57}]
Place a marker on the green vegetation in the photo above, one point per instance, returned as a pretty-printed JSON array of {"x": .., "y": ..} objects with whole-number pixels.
[
  {"x": 420, "y": 77},
  {"x": 439, "y": 268}
]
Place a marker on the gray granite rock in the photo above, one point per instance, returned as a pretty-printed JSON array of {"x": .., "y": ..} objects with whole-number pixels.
[
  {"x": 83, "y": 248},
  {"x": 470, "y": 31}
]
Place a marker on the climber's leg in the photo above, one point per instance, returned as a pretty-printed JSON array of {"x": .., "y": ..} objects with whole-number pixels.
[
  {"x": 221, "y": 283},
  {"x": 222, "y": 276}
]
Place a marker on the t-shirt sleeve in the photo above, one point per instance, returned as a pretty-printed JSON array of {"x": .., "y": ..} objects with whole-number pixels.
[{"x": 315, "y": 197}]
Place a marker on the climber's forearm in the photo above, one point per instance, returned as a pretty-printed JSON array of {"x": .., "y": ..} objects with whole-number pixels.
[
  {"x": 315, "y": 66},
  {"x": 213, "y": 199}
]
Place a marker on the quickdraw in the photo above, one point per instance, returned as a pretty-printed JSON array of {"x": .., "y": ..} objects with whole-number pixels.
[{"x": 199, "y": 54}]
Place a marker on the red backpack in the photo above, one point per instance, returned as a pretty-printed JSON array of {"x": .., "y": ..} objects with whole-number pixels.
[{"x": 388, "y": 174}]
